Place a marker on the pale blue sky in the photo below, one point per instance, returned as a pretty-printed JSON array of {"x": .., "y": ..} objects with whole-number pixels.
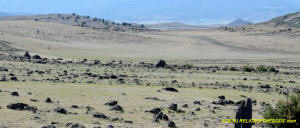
[{"x": 155, "y": 11}]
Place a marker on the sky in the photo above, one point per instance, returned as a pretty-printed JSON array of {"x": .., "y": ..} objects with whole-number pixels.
[{"x": 198, "y": 12}]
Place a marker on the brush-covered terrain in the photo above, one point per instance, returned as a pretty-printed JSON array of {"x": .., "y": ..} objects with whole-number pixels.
[{"x": 57, "y": 75}]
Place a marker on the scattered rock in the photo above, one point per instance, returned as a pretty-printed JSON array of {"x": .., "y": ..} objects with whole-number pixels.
[
  {"x": 155, "y": 110},
  {"x": 197, "y": 102},
  {"x": 48, "y": 100},
  {"x": 223, "y": 102},
  {"x": 158, "y": 116},
  {"x": 60, "y": 110},
  {"x": 170, "y": 89},
  {"x": 117, "y": 108},
  {"x": 111, "y": 103},
  {"x": 128, "y": 122},
  {"x": 74, "y": 106},
  {"x": 21, "y": 106},
  {"x": 100, "y": 115},
  {"x": 33, "y": 100},
  {"x": 173, "y": 107},
  {"x": 113, "y": 77},
  {"x": 171, "y": 124},
  {"x": 198, "y": 109},
  {"x": 14, "y": 78},
  {"x": 14, "y": 94},
  {"x": 222, "y": 97},
  {"x": 153, "y": 98},
  {"x": 37, "y": 57},
  {"x": 76, "y": 125},
  {"x": 27, "y": 55},
  {"x": 48, "y": 126},
  {"x": 185, "y": 106},
  {"x": 165, "y": 117}
]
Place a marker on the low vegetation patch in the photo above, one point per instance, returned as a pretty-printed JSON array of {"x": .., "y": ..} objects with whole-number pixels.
[
  {"x": 289, "y": 110},
  {"x": 261, "y": 68},
  {"x": 247, "y": 68}
]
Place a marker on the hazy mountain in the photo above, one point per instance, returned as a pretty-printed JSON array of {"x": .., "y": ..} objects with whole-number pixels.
[
  {"x": 239, "y": 22},
  {"x": 4, "y": 14},
  {"x": 174, "y": 26}
]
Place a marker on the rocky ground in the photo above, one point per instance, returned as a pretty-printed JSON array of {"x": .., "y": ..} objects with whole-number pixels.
[{"x": 57, "y": 92}]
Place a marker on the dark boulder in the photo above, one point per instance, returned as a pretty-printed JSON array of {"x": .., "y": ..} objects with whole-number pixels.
[
  {"x": 128, "y": 122},
  {"x": 170, "y": 89},
  {"x": 60, "y": 110},
  {"x": 74, "y": 106},
  {"x": 27, "y": 55},
  {"x": 171, "y": 124},
  {"x": 173, "y": 107},
  {"x": 155, "y": 110},
  {"x": 222, "y": 97},
  {"x": 197, "y": 102},
  {"x": 48, "y": 100},
  {"x": 100, "y": 115},
  {"x": 161, "y": 64},
  {"x": 111, "y": 103},
  {"x": 165, "y": 117},
  {"x": 223, "y": 102},
  {"x": 48, "y": 126},
  {"x": 36, "y": 57},
  {"x": 14, "y": 94},
  {"x": 185, "y": 106},
  {"x": 34, "y": 100},
  {"x": 117, "y": 108},
  {"x": 113, "y": 77},
  {"x": 74, "y": 125},
  {"x": 21, "y": 106},
  {"x": 14, "y": 78},
  {"x": 158, "y": 116}
]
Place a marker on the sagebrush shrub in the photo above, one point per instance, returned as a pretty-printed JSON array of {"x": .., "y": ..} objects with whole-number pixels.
[{"x": 289, "y": 110}]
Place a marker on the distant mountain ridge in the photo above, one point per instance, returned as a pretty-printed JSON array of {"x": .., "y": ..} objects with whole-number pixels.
[
  {"x": 175, "y": 26},
  {"x": 2, "y": 14},
  {"x": 239, "y": 22}
]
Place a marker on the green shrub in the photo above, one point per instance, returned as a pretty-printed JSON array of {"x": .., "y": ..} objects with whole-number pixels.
[
  {"x": 261, "y": 68},
  {"x": 273, "y": 69},
  {"x": 232, "y": 69},
  {"x": 289, "y": 110},
  {"x": 248, "y": 69}
]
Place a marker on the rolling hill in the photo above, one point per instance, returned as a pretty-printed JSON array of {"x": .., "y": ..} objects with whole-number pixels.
[
  {"x": 82, "y": 21},
  {"x": 289, "y": 20}
]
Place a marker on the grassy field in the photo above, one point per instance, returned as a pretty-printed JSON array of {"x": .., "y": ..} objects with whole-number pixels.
[
  {"x": 88, "y": 68},
  {"x": 130, "y": 97}
]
